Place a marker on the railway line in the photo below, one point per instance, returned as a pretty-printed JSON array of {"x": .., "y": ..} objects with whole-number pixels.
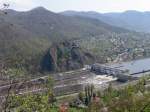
[
  {"x": 61, "y": 80},
  {"x": 64, "y": 83}
]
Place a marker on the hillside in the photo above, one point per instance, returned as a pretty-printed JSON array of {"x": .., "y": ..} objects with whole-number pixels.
[
  {"x": 44, "y": 23},
  {"x": 19, "y": 48},
  {"x": 132, "y": 20},
  {"x": 26, "y": 36}
]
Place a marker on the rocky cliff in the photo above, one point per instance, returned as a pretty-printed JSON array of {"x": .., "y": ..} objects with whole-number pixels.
[{"x": 65, "y": 56}]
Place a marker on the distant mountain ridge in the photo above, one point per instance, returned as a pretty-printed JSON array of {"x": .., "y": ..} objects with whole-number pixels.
[
  {"x": 132, "y": 20},
  {"x": 44, "y": 23}
]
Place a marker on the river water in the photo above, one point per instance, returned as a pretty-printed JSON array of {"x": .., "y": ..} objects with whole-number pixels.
[{"x": 134, "y": 67}]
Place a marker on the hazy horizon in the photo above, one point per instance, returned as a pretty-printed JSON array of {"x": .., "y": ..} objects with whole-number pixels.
[
  {"x": 74, "y": 10},
  {"x": 102, "y": 6}
]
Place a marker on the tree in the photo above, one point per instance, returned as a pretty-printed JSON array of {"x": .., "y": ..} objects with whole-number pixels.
[
  {"x": 81, "y": 96},
  {"x": 89, "y": 90},
  {"x": 3, "y": 7},
  {"x": 15, "y": 82}
]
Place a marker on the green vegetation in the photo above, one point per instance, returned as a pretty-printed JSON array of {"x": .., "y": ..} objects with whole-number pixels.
[
  {"x": 132, "y": 98},
  {"x": 23, "y": 55},
  {"x": 25, "y": 37},
  {"x": 117, "y": 47}
]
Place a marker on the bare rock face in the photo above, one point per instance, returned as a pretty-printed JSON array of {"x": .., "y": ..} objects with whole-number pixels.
[{"x": 65, "y": 56}]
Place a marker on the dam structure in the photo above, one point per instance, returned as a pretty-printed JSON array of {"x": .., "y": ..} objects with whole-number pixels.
[
  {"x": 108, "y": 70},
  {"x": 124, "y": 71}
]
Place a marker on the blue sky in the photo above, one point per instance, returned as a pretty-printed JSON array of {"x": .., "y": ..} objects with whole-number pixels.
[{"x": 81, "y": 5}]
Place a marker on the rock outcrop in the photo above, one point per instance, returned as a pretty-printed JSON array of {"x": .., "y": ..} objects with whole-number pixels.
[{"x": 65, "y": 56}]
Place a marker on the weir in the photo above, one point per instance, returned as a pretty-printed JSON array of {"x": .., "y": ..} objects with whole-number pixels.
[
  {"x": 106, "y": 70},
  {"x": 100, "y": 69}
]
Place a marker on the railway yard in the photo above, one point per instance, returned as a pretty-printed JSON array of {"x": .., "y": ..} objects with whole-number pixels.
[{"x": 65, "y": 83}]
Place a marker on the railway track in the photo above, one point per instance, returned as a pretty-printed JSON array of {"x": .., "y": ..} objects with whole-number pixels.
[{"x": 60, "y": 80}]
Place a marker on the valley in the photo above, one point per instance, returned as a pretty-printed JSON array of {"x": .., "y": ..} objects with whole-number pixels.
[{"x": 76, "y": 56}]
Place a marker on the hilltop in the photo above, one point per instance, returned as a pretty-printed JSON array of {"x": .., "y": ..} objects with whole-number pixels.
[
  {"x": 132, "y": 20},
  {"x": 44, "y": 23}
]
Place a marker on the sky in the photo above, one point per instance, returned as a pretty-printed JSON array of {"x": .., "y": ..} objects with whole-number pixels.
[{"x": 81, "y": 5}]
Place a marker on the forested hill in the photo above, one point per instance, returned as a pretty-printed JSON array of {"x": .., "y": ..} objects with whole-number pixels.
[
  {"x": 26, "y": 36},
  {"x": 44, "y": 23},
  {"x": 133, "y": 20}
]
